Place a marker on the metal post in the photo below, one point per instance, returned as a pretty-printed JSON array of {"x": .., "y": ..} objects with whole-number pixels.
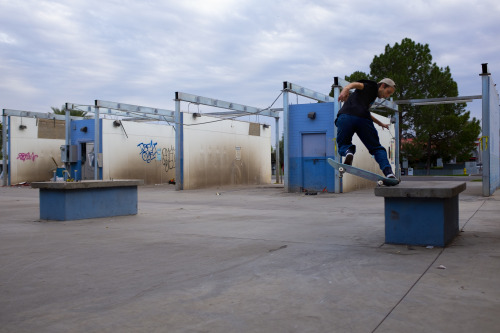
[
  {"x": 67, "y": 127},
  {"x": 286, "y": 142},
  {"x": 396, "y": 144},
  {"x": 4, "y": 149},
  {"x": 179, "y": 158},
  {"x": 277, "y": 150},
  {"x": 336, "y": 109},
  {"x": 485, "y": 76},
  {"x": 96, "y": 143},
  {"x": 67, "y": 124}
]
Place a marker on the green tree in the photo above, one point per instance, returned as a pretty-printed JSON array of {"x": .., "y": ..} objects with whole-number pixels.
[
  {"x": 439, "y": 130},
  {"x": 444, "y": 130},
  {"x": 356, "y": 76},
  {"x": 73, "y": 113}
]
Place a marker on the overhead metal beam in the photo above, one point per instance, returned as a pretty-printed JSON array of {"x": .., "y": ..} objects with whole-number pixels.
[
  {"x": 236, "y": 113},
  {"x": 31, "y": 114},
  {"x": 239, "y": 108},
  {"x": 384, "y": 104},
  {"x": 441, "y": 100},
  {"x": 123, "y": 113},
  {"x": 134, "y": 108},
  {"x": 299, "y": 90}
]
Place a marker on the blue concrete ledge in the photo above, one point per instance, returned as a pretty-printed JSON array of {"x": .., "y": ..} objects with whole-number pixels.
[
  {"x": 421, "y": 213},
  {"x": 63, "y": 201}
]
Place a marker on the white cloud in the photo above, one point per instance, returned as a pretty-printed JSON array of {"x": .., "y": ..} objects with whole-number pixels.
[{"x": 141, "y": 52}]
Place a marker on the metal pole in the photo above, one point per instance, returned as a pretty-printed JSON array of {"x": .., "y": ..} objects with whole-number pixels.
[
  {"x": 336, "y": 109},
  {"x": 277, "y": 150},
  {"x": 285, "y": 140},
  {"x": 485, "y": 76},
  {"x": 179, "y": 158},
  {"x": 67, "y": 124},
  {"x": 4, "y": 149},
  {"x": 96, "y": 142},
  {"x": 396, "y": 144},
  {"x": 67, "y": 127}
]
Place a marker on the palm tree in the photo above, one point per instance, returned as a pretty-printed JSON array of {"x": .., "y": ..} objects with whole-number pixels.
[{"x": 73, "y": 113}]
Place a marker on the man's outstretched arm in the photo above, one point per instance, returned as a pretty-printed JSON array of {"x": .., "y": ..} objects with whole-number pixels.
[{"x": 344, "y": 94}]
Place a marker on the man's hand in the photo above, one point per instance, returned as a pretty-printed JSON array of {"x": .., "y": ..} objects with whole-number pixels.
[
  {"x": 378, "y": 122},
  {"x": 384, "y": 126},
  {"x": 344, "y": 94}
]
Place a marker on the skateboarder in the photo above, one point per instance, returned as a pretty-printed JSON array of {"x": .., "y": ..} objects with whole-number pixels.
[{"x": 355, "y": 117}]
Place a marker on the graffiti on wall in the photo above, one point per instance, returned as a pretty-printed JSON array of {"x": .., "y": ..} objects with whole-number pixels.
[
  {"x": 27, "y": 157},
  {"x": 168, "y": 158},
  {"x": 148, "y": 151}
]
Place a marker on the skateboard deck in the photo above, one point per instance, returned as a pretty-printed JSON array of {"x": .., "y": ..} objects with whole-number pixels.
[{"x": 381, "y": 180}]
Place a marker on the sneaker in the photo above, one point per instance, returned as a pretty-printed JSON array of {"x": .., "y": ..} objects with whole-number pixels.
[
  {"x": 348, "y": 158},
  {"x": 388, "y": 173}
]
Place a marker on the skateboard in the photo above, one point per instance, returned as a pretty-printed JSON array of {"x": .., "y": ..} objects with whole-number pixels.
[{"x": 381, "y": 180}]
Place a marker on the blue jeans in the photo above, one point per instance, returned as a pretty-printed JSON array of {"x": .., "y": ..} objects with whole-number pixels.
[{"x": 347, "y": 125}]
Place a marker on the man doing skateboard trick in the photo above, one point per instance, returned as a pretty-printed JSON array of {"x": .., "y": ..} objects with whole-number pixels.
[{"x": 355, "y": 117}]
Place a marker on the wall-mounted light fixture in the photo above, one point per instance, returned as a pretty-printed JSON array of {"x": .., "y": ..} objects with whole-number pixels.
[
  {"x": 265, "y": 126},
  {"x": 311, "y": 115},
  {"x": 195, "y": 115},
  {"x": 22, "y": 127},
  {"x": 84, "y": 129},
  {"x": 117, "y": 123}
]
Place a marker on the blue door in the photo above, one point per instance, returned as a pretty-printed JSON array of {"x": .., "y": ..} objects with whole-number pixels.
[{"x": 314, "y": 168}]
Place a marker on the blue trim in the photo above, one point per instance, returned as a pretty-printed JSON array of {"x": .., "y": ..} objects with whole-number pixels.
[{"x": 7, "y": 168}]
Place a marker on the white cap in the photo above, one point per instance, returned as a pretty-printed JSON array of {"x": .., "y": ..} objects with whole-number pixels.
[{"x": 389, "y": 82}]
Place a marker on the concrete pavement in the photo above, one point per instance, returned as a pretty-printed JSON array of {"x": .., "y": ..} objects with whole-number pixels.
[{"x": 252, "y": 259}]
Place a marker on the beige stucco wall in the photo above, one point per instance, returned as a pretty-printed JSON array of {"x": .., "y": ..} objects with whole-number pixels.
[
  {"x": 226, "y": 152},
  {"x": 138, "y": 151},
  {"x": 31, "y": 156}
]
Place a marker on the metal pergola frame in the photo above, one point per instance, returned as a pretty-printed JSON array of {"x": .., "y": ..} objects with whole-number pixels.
[
  {"x": 136, "y": 112},
  {"x": 117, "y": 109},
  {"x": 237, "y": 110}
]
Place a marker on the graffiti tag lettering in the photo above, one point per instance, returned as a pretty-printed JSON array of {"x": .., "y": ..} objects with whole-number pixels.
[
  {"x": 148, "y": 151},
  {"x": 27, "y": 156},
  {"x": 168, "y": 158}
]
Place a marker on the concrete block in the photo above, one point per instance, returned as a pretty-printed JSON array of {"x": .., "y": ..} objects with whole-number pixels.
[
  {"x": 64, "y": 201},
  {"x": 418, "y": 213}
]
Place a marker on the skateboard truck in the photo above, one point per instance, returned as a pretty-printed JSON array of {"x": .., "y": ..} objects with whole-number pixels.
[{"x": 341, "y": 172}]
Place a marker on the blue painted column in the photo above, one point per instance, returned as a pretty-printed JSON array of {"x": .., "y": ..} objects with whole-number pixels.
[
  {"x": 4, "y": 149},
  {"x": 396, "y": 144},
  {"x": 277, "y": 151},
  {"x": 336, "y": 109},
  {"x": 485, "y": 158},
  {"x": 286, "y": 110},
  {"x": 97, "y": 143},
  {"x": 67, "y": 127},
  {"x": 179, "y": 147}
]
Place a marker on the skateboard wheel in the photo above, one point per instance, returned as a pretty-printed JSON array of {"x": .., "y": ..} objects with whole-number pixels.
[
  {"x": 341, "y": 169},
  {"x": 380, "y": 183}
]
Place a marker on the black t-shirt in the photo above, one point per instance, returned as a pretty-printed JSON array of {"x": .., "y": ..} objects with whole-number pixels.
[{"x": 359, "y": 102}]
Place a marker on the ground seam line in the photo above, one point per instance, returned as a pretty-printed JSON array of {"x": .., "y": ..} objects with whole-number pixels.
[{"x": 422, "y": 275}]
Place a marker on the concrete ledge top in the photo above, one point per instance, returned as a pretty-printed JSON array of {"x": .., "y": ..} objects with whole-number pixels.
[
  {"x": 421, "y": 189},
  {"x": 87, "y": 184}
]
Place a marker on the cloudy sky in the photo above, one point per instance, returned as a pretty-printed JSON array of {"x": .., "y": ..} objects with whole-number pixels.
[{"x": 140, "y": 52}]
